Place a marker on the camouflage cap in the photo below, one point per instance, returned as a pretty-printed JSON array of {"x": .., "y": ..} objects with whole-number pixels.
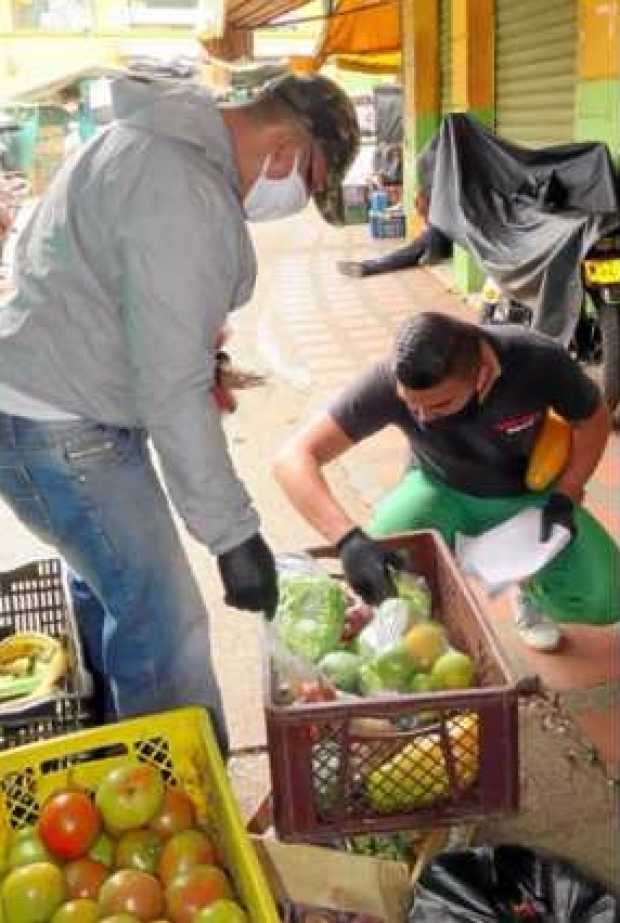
[{"x": 329, "y": 116}]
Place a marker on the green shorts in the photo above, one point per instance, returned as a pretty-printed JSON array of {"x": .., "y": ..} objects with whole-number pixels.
[{"x": 581, "y": 585}]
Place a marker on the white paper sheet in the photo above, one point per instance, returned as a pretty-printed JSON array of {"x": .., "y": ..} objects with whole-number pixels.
[{"x": 510, "y": 552}]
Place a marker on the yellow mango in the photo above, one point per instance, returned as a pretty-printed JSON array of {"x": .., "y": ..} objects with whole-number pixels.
[{"x": 417, "y": 775}]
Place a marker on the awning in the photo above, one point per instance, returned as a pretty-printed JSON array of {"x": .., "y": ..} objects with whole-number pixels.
[
  {"x": 363, "y": 36},
  {"x": 248, "y": 14},
  {"x": 386, "y": 62},
  {"x": 362, "y": 27},
  {"x": 360, "y": 34}
]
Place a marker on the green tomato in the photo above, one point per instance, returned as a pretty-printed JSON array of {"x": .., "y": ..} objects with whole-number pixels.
[
  {"x": 139, "y": 849},
  {"x": 25, "y": 848},
  {"x": 102, "y": 850},
  {"x": 32, "y": 893},
  {"x": 221, "y": 911},
  {"x": 120, "y": 918},
  {"x": 78, "y": 911},
  {"x": 129, "y": 796}
]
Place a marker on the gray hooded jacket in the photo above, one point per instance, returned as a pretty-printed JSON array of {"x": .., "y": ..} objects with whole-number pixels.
[{"x": 125, "y": 273}]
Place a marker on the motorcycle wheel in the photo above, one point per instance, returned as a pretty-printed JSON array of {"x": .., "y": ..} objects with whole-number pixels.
[{"x": 602, "y": 362}]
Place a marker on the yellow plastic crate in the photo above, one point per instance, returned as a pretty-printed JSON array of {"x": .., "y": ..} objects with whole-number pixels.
[{"x": 181, "y": 744}]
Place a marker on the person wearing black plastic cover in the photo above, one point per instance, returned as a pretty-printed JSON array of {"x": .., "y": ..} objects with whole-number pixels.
[{"x": 429, "y": 247}]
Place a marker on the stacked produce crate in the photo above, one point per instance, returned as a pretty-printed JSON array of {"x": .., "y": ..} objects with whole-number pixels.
[{"x": 45, "y": 688}]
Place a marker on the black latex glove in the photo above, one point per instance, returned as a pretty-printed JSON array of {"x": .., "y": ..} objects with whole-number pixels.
[
  {"x": 248, "y": 573},
  {"x": 365, "y": 564},
  {"x": 558, "y": 510}
]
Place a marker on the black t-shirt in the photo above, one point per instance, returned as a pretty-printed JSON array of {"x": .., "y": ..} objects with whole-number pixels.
[{"x": 484, "y": 449}]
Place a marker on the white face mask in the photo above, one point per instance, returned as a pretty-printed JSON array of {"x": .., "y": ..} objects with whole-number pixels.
[{"x": 268, "y": 199}]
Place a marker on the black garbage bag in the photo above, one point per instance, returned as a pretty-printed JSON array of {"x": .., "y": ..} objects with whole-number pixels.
[{"x": 508, "y": 884}]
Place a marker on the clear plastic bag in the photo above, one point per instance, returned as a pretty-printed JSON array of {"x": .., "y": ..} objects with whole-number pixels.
[{"x": 308, "y": 623}]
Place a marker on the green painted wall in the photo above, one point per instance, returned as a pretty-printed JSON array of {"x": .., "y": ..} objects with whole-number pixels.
[
  {"x": 418, "y": 131},
  {"x": 598, "y": 113}
]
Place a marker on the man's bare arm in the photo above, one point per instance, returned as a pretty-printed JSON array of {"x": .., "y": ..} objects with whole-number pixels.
[{"x": 298, "y": 470}]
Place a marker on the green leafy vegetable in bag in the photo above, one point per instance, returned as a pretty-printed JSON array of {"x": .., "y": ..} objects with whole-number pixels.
[{"x": 311, "y": 614}]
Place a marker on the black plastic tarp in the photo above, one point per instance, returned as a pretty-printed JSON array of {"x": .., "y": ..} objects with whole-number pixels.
[
  {"x": 508, "y": 884},
  {"x": 528, "y": 216},
  {"x": 388, "y": 114}
]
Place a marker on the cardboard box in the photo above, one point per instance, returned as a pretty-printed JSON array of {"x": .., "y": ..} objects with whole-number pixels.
[{"x": 328, "y": 879}]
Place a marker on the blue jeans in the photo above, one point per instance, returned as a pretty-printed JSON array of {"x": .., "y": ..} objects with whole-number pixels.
[{"x": 92, "y": 492}]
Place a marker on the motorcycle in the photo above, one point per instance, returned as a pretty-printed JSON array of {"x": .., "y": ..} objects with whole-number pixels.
[{"x": 596, "y": 339}]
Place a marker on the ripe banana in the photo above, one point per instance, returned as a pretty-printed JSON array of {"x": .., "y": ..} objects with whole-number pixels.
[{"x": 31, "y": 664}]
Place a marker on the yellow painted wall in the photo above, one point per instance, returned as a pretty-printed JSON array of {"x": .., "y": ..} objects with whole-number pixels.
[
  {"x": 598, "y": 53},
  {"x": 420, "y": 79},
  {"x": 473, "y": 29}
]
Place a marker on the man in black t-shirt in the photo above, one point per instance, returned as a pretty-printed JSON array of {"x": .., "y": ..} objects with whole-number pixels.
[{"x": 471, "y": 402}]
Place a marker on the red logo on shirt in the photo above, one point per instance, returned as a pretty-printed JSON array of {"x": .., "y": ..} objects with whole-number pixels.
[{"x": 511, "y": 425}]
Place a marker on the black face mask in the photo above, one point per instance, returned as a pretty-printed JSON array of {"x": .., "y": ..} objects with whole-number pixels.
[
  {"x": 468, "y": 412},
  {"x": 470, "y": 409}
]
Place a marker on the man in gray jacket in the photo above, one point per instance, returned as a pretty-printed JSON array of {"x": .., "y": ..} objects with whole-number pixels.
[{"x": 125, "y": 275}]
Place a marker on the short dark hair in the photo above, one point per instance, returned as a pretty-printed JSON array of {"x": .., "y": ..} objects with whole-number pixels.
[
  {"x": 431, "y": 347},
  {"x": 272, "y": 110}
]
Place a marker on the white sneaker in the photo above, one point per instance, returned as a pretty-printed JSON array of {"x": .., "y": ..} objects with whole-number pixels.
[{"x": 535, "y": 628}]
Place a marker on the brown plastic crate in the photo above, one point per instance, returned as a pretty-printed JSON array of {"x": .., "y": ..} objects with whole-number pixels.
[{"x": 321, "y": 756}]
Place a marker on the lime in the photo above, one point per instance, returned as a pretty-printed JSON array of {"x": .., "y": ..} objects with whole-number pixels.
[{"x": 453, "y": 670}]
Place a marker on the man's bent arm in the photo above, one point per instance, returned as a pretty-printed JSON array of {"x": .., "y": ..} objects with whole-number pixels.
[
  {"x": 298, "y": 470},
  {"x": 589, "y": 437}
]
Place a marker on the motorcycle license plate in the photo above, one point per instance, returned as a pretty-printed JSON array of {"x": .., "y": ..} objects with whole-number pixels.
[{"x": 602, "y": 272}]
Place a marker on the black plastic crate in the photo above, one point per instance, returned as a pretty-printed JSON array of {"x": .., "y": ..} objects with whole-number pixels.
[{"x": 35, "y": 597}]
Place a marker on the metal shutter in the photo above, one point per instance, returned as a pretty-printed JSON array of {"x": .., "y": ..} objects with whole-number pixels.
[
  {"x": 445, "y": 56},
  {"x": 535, "y": 70}
]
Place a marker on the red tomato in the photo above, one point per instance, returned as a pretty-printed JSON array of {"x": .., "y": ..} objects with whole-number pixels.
[
  {"x": 190, "y": 891},
  {"x": 317, "y": 691},
  {"x": 84, "y": 878},
  {"x": 177, "y": 813},
  {"x": 183, "y": 851},
  {"x": 133, "y": 892},
  {"x": 69, "y": 823}
]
